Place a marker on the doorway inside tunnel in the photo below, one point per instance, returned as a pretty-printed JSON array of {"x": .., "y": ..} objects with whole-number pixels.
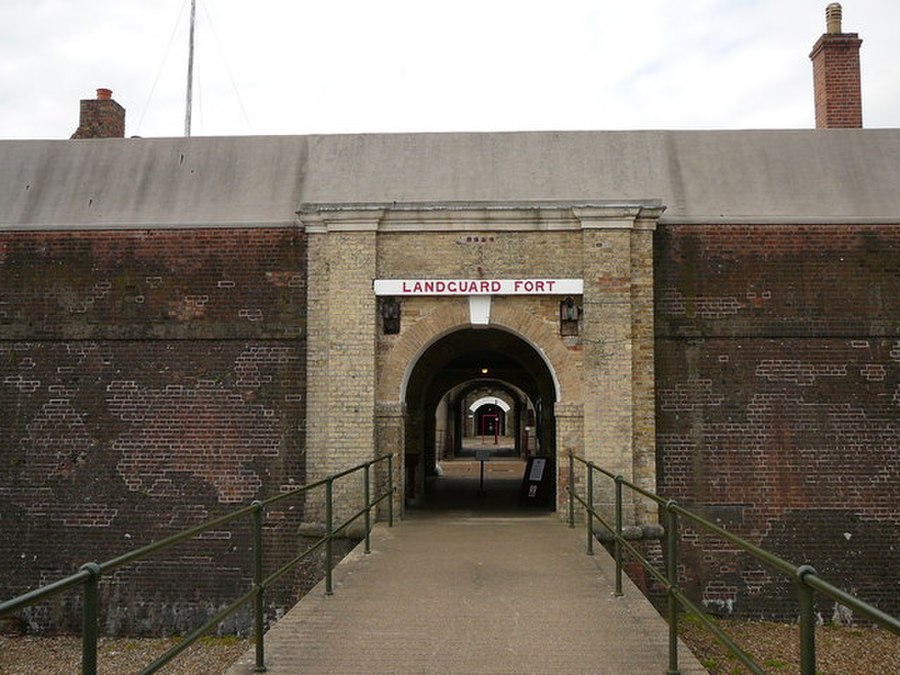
[{"x": 479, "y": 406}]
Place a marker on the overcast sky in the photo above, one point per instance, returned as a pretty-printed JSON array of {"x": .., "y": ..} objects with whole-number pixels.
[{"x": 337, "y": 66}]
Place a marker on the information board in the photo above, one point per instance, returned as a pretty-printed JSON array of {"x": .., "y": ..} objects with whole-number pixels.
[{"x": 537, "y": 482}]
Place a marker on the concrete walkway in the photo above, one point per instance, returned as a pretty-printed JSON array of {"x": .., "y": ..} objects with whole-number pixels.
[{"x": 456, "y": 592}]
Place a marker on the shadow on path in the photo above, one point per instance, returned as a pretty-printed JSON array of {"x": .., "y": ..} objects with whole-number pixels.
[{"x": 458, "y": 490}]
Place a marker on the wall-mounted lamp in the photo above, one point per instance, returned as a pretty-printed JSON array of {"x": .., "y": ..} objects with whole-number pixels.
[
  {"x": 569, "y": 313},
  {"x": 390, "y": 315}
]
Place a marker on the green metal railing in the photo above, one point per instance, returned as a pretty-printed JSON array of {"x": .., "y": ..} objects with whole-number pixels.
[
  {"x": 88, "y": 577},
  {"x": 806, "y": 579}
]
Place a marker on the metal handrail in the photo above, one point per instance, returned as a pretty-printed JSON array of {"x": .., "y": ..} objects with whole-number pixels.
[
  {"x": 88, "y": 576},
  {"x": 805, "y": 576}
]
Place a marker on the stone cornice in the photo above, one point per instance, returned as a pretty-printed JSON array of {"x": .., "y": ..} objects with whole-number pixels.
[{"x": 522, "y": 216}]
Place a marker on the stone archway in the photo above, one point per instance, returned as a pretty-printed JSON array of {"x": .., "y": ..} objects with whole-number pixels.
[
  {"x": 600, "y": 351},
  {"x": 441, "y": 351},
  {"x": 465, "y": 356}
]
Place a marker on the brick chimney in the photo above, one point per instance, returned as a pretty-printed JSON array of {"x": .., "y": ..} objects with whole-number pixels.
[
  {"x": 836, "y": 75},
  {"x": 101, "y": 117}
]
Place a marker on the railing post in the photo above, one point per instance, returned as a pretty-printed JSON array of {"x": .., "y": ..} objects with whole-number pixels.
[
  {"x": 390, "y": 462},
  {"x": 571, "y": 490},
  {"x": 589, "y": 516},
  {"x": 329, "y": 547},
  {"x": 258, "y": 601},
  {"x": 672, "y": 578},
  {"x": 89, "y": 619},
  {"x": 618, "y": 546},
  {"x": 807, "y": 622},
  {"x": 368, "y": 506}
]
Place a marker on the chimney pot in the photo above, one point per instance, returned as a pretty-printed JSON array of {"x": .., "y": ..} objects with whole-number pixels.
[
  {"x": 833, "y": 15},
  {"x": 104, "y": 94}
]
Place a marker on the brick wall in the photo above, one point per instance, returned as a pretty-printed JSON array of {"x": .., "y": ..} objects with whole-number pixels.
[
  {"x": 149, "y": 381},
  {"x": 778, "y": 391}
]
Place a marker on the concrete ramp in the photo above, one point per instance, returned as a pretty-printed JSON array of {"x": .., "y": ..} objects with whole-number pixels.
[{"x": 450, "y": 593}]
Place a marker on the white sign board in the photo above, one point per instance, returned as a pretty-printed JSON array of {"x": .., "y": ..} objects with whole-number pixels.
[
  {"x": 537, "y": 470},
  {"x": 479, "y": 286}
]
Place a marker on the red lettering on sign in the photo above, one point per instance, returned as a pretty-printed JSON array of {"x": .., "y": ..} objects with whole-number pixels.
[{"x": 471, "y": 286}]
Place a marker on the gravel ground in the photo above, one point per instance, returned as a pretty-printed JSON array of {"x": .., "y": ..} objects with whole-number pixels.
[
  {"x": 61, "y": 655},
  {"x": 842, "y": 651},
  {"x": 776, "y": 648}
]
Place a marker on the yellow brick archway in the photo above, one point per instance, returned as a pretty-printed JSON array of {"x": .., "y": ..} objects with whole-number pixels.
[{"x": 453, "y": 315}]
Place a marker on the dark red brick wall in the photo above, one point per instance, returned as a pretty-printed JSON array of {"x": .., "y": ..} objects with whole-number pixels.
[
  {"x": 149, "y": 380},
  {"x": 778, "y": 399}
]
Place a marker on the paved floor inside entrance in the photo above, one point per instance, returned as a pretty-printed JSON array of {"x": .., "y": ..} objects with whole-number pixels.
[
  {"x": 472, "y": 590},
  {"x": 460, "y": 489}
]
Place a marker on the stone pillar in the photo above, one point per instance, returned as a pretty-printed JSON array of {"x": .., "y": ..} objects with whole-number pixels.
[
  {"x": 390, "y": 422},
  {"x": 341, "y": 350},
  {"x": 569, "y": 438},
  {"x": 619, "y": 406},
  {"x": 642, "y": 366}
]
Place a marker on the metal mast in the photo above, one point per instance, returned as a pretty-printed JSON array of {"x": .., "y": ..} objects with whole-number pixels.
[{"x": 190, "y": 73}]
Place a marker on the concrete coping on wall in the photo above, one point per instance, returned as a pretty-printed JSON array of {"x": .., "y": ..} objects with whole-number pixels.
[
  {"x": 355, "y": 531},
  {"x": 631, "y": 532}
]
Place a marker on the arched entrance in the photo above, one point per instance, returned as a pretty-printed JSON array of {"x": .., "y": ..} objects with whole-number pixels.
[
  {"x": 467, "y": 391},
  {"x": 404, "y": 297}
]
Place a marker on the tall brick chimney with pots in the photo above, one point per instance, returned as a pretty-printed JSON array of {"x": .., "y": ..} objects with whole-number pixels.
[
  {"x": 836, "y": 75},
  {"x": 101, "y": 117}
]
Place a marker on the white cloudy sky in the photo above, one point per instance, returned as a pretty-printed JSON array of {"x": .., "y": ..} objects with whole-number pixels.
[{"x": 335, "y": 66}]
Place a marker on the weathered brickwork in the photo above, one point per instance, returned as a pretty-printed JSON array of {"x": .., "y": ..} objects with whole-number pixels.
[
  {"x": 778, "y": 393},
  {"x": 152, "y": 379},
  {"x": 486, "y": 254},
  {"x": 199, "y": 283},
  {"x": 453, "y": 254},
  {"x": 605, "y": 373},
  {"x": 341, "y": 354},
  {"x": 149, "y": 381},
  {"x": 101, "y": 117}
]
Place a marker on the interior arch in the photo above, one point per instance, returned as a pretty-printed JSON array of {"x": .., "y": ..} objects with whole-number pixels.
[{"x": 467, "y": 362}]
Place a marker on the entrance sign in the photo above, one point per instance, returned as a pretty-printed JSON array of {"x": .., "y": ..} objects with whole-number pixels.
[{"x": 479, "y": 286}]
